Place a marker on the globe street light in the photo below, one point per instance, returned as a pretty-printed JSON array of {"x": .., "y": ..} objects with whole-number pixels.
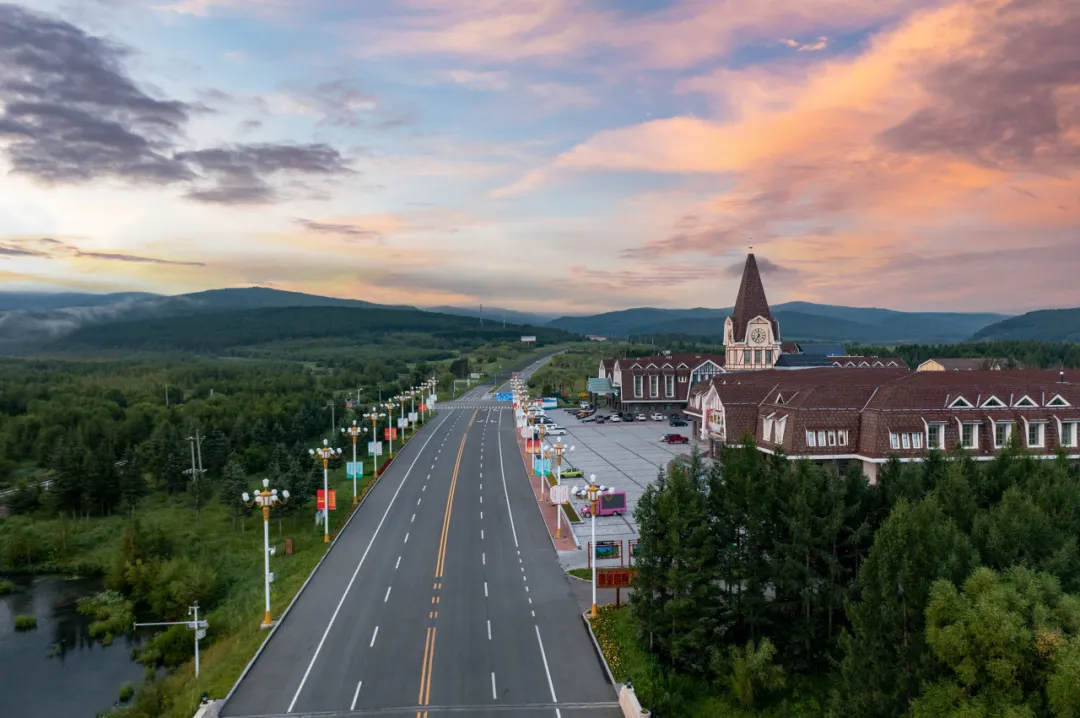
[
  {"x": 266, "y": 499},
  {"x": 325, "y": 453},
  {"x": 390, "y": 406},
  {"x": 559, "y": 449},
  {"x": 374, "y": 416},
  {"x": 541, "y": 430},
  {"x": 592, "y": 492},
  {"x": 354, "y": 431}
]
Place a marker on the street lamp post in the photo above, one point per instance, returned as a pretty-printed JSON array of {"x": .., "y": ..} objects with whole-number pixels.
[
  {"x": 559, "y": 449},
  {"x": 593, "y": 493},
  {"x": 354, "y": 431},
  {"x": 325, "y": 453},
  {"x": 374, "y": 416},
  {"x": 389, "y": 406},
  {"x": 541, "y": 431},
  {"x": 412, "y": 404},
  {"x": 266, "y": 498}
]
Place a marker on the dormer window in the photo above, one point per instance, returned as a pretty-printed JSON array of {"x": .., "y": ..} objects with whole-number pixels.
[
  {"x": 1057, "y": 401},
  {"x": 1026, "y": 401},
  {"x": 779, "y": 398},
  {"x": 961, "y": 403},
  {"x": 993, "y": 403}
]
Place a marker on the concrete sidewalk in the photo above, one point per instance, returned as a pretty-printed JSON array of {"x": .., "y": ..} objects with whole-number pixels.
[{"x": 548, "y": 510}]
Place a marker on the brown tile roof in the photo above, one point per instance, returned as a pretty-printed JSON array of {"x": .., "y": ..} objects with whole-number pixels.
[
  {"x": 950, "y": 364},
  {"x": 751, "y": 302},
  {"x": 790, "y": 348},
  {"x": 691, "y": 360},
  {"x": 871, "y": 360}
]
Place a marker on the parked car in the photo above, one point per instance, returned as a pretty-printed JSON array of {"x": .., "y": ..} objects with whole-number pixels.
[
  {"x": 555, "y": 431},
  {"x": 657, "y": 416},
  {"x": 677, "y": 422},
  {"x": 614, "y": 418},
  {"x": 673, "y": 417},
  {"x": 627, "y": 416},
  {"x": 640, "y": 416},
  {"x": 573, "y": 474},
  {"x": 585, "y": 405},
  {"x": 675, "y": 439},
  {"x": 588, "y": 419},
  {"x": 600, "y": 419}
]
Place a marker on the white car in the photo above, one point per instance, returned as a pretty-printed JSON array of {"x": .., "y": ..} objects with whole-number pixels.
[
  {"x": 555, "y": 431},
  {"x": 656, "y": 416},
  {"x": 640, "y": 417},
  {"x": 614, "y": 418}
]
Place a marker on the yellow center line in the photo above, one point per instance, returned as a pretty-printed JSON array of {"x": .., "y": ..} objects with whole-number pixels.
[{"x": 440, "y": 561}]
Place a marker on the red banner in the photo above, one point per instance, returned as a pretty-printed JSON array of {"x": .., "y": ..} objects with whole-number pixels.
[
  {"x": 386, "y": 434},
  {"x": 320, "y": 500},
  {"x": 393, "y": 433}
]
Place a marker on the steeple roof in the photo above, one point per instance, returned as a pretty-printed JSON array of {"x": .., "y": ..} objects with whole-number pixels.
[{"x": 751, "y": 302}]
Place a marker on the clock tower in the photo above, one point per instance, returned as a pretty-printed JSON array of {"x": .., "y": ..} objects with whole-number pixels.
[{"x": 751, "y": 333}]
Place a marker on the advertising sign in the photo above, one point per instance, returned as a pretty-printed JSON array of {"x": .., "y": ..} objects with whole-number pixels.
[
  {"x": 635, "y": 548},
  {"x": 607, "y": 550},
  {"x": 541, "y": 467},
  {"x": 320, "y": 500},
  {"x": 393, "y": 433},
  {"x": 402, "y": 423},
  {"x": 560, "y": 494},
  {"x": 615, "y": 577},
  {"x": 714, "y": 422},
  {"x": 413, "y": 417},
  {"x": 386, "y": 434},
  {"x": 530, "y": 338},
  {"x": 354, "y": 469},
  {"x": 374, "y": 448},
  {"x": 504, "y": 396}
]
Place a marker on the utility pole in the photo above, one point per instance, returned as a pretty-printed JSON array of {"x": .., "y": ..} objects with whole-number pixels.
[
  {"x": 332, "y": 422},
  {"x": 194, "y": 625}
]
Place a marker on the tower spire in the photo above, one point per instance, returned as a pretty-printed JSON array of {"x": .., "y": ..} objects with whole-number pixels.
[{"x": 751, "y": 301}]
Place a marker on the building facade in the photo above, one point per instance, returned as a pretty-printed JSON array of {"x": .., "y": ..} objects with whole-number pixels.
[
  {"x": 658, "y": 383},
  {"x": 751, "y": 333},
  {"x": 838, "y": 415}
]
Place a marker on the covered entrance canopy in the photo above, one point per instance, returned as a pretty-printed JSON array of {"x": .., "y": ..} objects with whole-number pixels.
[{"x": 601, "y": 387}]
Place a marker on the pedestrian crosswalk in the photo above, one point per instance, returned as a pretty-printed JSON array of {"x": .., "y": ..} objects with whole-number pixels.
[{"x": 497, "y": 405}]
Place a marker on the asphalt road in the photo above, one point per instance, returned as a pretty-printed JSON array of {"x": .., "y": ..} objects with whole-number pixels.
[{"x": 443, "y": 596}]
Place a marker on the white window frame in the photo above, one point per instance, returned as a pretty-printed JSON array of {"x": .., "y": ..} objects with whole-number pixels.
[
  {"x": 961, "y": 403},
  {"x": 842, "y": 437},
  {"x": 1057, "y": 401},
  {"x": 1040, "y": 427},
  {"x": 1026, "y": 402},
  {"x": 682, "y": 379},
  {"x": 654, "y": 386},
  {"x": 766, "y": 431},
  {"x": 916, "y": 440},
  {"x": 974, "y": 443},
  {"x": 779, "y": 430},
  {"x": 669, "y": 385},
  {"x": 1069, "y": 430},
  {"x": 639, "y": 385},
  {"x": 821, "y": 438},
  {"x": 940, "y": 444},
  {"x": 894, "y": 440},
  {"x": 832, "y": 437},
  {"x": 998, "y": 403},
  {"x": 1008, "y": 434},
  {"x": 811, "y": 439},
  {"x": 905, "y": 440}
]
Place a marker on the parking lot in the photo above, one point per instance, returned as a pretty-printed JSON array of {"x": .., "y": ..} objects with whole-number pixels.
[{"x": 625, "y": 456}]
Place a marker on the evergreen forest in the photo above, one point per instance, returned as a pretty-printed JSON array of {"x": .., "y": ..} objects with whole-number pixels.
[{"x": 768, "y": 587}]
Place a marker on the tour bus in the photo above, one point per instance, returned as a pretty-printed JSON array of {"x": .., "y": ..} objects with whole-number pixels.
[{"x": 549, "y": 403}]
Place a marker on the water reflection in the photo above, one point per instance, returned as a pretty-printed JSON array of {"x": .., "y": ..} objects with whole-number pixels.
[{"x": 58, "y": 670}]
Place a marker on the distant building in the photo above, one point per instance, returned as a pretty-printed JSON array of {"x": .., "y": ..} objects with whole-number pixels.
[
  {"x": 977, "y": 364},
  {"x": 839, "y": 415},
  {"x": 659, "y": 382},
  {"x": 595, "y": 338}
]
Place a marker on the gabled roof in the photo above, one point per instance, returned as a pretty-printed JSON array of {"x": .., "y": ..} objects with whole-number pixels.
[{"x": 751, "y": 302}]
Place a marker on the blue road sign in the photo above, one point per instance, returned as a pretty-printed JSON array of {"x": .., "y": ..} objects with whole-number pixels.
[{"x": 504, "y": 396}]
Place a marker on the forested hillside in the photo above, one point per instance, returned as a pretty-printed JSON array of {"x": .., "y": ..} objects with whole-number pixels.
[
  {"x": 1028, "y": 354},
  {"x": 1050, "y": 325}
]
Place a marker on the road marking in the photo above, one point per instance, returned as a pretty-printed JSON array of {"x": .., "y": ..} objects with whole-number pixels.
[
  {"x": 433, "y": 467},
  {"x": 481, "y": 534},
  {"x": 481, "y": 485},
  {"x": 481, "y": 499},
  {"x": 485, "y": 589},
  {"x": 494, "y": 695},
  {"x": 398, "y": 563},
  {"x": 483, "y": 558},
  {"x": 547, "y": 670},
  {"x": 419, "y": 500},
  {"x": 413, "y": 518},
  {"x": 425, "y": 488},
  {"x": 533, "y": 613},
  {"x": 489, "y": 629},
  {"x": 372, "y": 644},
  {"x": 354, "y": 695},
  {"x": 356, "y": 572},
  {"x": 406, "y": 538},
  {"x": 530, "y": 601},
  {"x": 481, "y": 515},
  {"x": 509, "y": 511},
  {"x": 387, "y": 596},
  {"x": 424, "y": 665}
]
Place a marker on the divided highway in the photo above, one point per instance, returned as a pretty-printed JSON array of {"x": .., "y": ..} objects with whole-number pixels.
[{"x": 442, "y": 596}]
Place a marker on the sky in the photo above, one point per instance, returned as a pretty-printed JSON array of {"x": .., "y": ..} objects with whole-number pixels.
[{"x": 553, "y": 156}]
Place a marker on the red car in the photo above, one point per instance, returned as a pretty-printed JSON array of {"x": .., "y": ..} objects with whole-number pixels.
[{"x": 675, "y": 439}]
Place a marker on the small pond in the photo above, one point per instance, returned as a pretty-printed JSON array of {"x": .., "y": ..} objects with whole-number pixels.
[{"x": 58, "y": 670}]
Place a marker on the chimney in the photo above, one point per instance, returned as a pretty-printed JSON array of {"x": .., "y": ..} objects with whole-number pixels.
[{"x": 1061, "y": 378}]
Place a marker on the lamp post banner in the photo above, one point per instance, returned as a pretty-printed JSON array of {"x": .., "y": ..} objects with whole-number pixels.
[
  {"x": 354, "y": 469},
  {"x": 320, "y": 500},
  {"x": 560, "y": 494},
  {"x": 413, "y": 417}
]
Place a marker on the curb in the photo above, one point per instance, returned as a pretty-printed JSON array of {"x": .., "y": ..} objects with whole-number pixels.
[
  {"x": 599, "y": 653},
  {"x": 300, "y": 591}
]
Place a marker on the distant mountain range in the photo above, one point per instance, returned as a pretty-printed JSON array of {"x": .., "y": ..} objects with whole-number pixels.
[
  {"x": 30, "y": 317},
  {"x": 798, "y": 321}
]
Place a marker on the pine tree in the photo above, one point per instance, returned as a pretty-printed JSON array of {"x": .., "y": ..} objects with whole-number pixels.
[
  {"x": 650, "y": 592},
  {"x": 885, "y": 657},
  {"x": 234, "y": 483}
]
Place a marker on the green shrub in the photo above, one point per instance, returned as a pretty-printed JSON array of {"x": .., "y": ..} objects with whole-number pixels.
[
  {"x": 752, "y": 672},
  {"x": 127, "y": 691},
  {"x": 6, "y": 587},
  {"x": 112, "y": 613},
  {"x": 25, "y": 623}
]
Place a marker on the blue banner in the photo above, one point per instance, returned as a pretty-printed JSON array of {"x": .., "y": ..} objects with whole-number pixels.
[
  {"x": 504, "y": 396},
  {"x": 352, "y": 469},
  {"x": 541, "y": 466}
]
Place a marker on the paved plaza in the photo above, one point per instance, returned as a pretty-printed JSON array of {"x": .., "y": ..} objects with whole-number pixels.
[{"x": 625, "y": 456}]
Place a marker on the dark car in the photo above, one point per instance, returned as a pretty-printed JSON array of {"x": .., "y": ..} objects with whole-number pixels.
[
  {"x": 601, "y": 420},
  {"x": 627, "y": 416},
  {"x": 677, "y": 422},
  {"x": 673, "y": 417},
  {"x": 675, "y": 439}
]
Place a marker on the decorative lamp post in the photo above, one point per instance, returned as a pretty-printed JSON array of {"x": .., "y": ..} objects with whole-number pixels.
[
  {"x": 412, "y": 404},
  {"x": 559, "y": 449},
  {"x": 592, "y": 492},
  {"x": 325, "y": 453},
  {"x": 266, "y": 499},
  {"x": 389, "y": 406},
  {"x": 401, "y": 398},
  {"x": 541, "y": 430},
  {"x": 374, "y": 416},
  {"x": 354, "y": 431}
]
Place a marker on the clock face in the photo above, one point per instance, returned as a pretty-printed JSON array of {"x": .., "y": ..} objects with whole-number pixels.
[{"x": 758, "y": 335}]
